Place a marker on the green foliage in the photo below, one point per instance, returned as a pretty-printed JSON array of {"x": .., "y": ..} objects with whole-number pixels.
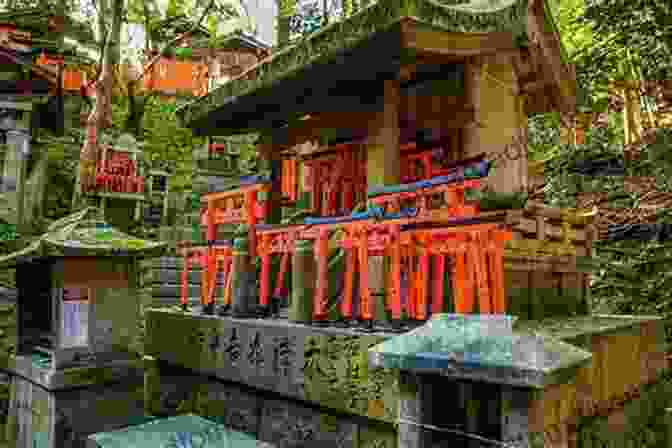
[
  {"x": 166, "y": 141},
  {"x": 642, "y": 26},
  {"x": 175, "y": 8},
  {"x": 630, "y": 277}
]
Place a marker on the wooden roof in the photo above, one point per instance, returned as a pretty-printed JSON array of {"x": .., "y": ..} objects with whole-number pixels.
[{"x": 342, "y": 64}]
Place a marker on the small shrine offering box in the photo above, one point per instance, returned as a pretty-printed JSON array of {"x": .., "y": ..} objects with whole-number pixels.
[{"x": 78, "y": 322}]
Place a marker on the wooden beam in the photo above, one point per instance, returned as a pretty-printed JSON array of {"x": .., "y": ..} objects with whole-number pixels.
[
  {"x": 522, "y": 66},
  {"x": 313, "y": 128},
  {"x": 534, "y": 87},
  {"x": 428, "y": 40},
  {"x": 423, "y": 111},
  {"x": 407, "y": 72},
  {"x": 437, "y": 112}
]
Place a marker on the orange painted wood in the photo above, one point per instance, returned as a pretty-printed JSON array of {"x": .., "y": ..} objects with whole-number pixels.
[
  {"x": 395, "y": 273},
  {"x": 284, "y": 267},
  {"x": 366, "y": 306},
  {"x": 185, "y": 280},
  {"x": 423, "y": 282},
  {"x": 235, "y": 193},
  {"x": 478, "y": 264},
  {"x": 251, "y": 220},
  {"x": 227, "y": 277},
  {"x": 228, "y": 288},
  {"x": 496, "y": 268},
  {"x": 211, "y": 273},
  {"x": 205, "y": 285},
  {"x": 212, "y": 225},
  {"x": 437, "y": 294},
  {"x": 463, "y": 291},
  {"x": 265, "y": 281},
  {"x": 349, "y": 283},
  {"x": 413, "y": 275},
  {"x": 407, "y": 263},
  {"x": 322, "y": 253}
]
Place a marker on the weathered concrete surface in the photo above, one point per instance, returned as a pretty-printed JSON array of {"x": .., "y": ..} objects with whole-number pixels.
[
  {"x": 268, "y": 417},
  {"x": 48, "y": 419},
  {"x": 323, "y": 366},
  {"x": 238, "y": 370}
]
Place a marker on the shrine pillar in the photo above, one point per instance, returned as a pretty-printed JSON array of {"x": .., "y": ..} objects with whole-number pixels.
[
  {"x": 272, "y": 163},
  {"x": 383, "y": 168},
  {"x": 471, "y": 133},
  {"x": 18, "y": 142},
  {"x": 500, "y": 123}
]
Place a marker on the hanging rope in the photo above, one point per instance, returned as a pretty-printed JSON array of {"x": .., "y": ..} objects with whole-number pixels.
[{"x": 460, "y": 433}]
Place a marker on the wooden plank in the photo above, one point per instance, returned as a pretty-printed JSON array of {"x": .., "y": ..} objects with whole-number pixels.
[
  {"x": 573, "y": 216},
  {"x": 448, "y": 116},
  {"x": 129, "y": 196},
  {"x": 529, "y": 226},
  {"x": 238, "y": 191},
  {"x": 434, "y": 216},
  {"x": 536, "y": 247},
  {"x": 537, "y": 264},
  {"x": 517, "y": 284}
]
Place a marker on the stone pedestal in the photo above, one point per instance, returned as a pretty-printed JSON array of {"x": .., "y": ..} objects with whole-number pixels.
[
  {"x": 304, "y": 273},
  {"x": 468, "y": 381},
  {"x": 244, "y": 298},
  {"x": 57, "y": 408}
]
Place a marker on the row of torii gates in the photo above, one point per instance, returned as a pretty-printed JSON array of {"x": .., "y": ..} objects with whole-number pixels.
[{"x": 469, "y": 246}]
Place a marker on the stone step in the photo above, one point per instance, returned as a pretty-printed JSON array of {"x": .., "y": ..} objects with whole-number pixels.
[
  {"x": 176, "y": 290},
  {"x": 167, "y": 263},
  {"x": 174, "y": 277},
  {"x": 175, "y": 233},
  {"x": 167, "y": 291},
  {"x": 161, "y": 302}
]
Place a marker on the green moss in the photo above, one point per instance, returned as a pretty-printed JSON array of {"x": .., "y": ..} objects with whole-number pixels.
[
  {"x": 377, "y": 436},
  {"x": 336, "y": 375},
  {"x": 646, "y": 424}
]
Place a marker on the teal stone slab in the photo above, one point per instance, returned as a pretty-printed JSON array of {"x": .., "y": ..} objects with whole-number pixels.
[
  {"x": 481, "y": 348},
  {"x": 182, "y": 431}
]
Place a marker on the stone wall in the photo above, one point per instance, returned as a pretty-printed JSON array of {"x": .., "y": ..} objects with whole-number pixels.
[
  {"x": 8, "y": 340},
  {"x": 641, "y": 422},
  {"x": 268, "y": 417},
  {"x": 326, "y": 367}
]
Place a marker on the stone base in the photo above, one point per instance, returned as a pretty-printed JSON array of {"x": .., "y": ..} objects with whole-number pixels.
[
  {"x": 51, "y": 379},
  {"x": 64, "y": 418},
  {"x": 268, "y": 417}
]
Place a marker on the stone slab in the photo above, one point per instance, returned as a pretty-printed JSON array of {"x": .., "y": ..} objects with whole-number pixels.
[
  {"x": 480, "y": 348},
  {"x": 169, "y": 431},
  {"x": 289, "y": 425},
  {"x": 167, "y": 262},
  {"x": 325, "y": 366},
  {"x": 108, "y": 372},
  {"x": 267, "y": 417},
  {"x": 174, "y": 291},
  {"x": 54, "y": 419},
  {"x": 174, "y": 276}
]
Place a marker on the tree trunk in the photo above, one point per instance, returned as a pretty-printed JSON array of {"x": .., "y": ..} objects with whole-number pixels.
[{"x": 100, "y": 116}]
